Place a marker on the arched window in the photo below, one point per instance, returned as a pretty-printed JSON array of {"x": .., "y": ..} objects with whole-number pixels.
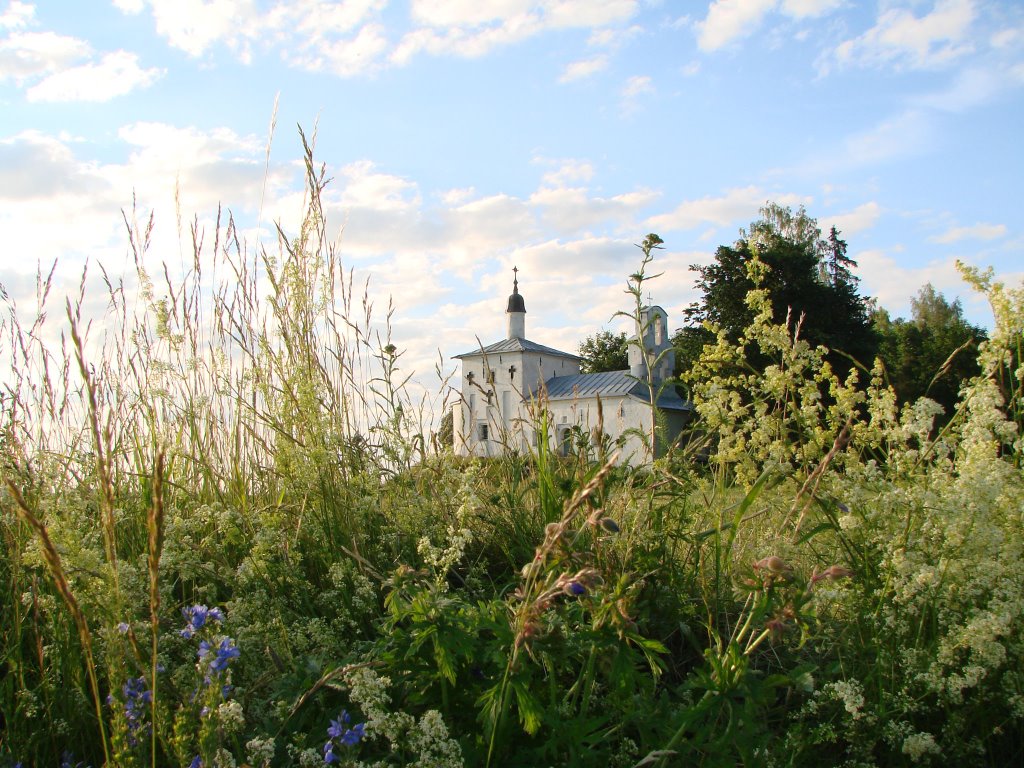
[{"x": 659, "y": 329}]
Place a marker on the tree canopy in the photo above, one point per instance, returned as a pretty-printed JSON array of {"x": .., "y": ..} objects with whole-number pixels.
[
  {"x": 604, "y": 351},
  {"x": 809, "y": 279},
  {"x": 933, "y": 353}
]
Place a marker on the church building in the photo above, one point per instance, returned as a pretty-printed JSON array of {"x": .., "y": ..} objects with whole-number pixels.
[{"x": 506, "y": 386}]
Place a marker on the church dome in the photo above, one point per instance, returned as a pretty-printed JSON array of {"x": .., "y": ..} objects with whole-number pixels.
[{"x": 515, "y": 301}]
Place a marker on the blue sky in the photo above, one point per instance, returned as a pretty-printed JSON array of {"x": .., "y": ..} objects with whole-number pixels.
[{"x": 467, "y": 136}]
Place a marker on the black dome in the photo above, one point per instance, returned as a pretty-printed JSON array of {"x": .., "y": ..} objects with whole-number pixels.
[{"x": 516, "y": 303}]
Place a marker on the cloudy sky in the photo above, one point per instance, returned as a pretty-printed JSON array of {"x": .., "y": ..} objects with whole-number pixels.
[{"x": 467, "y": 136}]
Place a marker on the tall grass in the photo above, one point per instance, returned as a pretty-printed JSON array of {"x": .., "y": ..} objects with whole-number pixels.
[{"x": 228, "y": 536}]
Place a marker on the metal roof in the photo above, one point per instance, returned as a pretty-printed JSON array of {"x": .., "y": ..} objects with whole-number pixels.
[
  {"x": 609, "y": 384},
  {"x": 514, "y": 345}
]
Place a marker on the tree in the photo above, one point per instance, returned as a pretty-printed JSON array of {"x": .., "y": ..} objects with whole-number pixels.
[
  {"x": 807, "y": 277},
  {"x": 604, "y": 351},
  {"x": 933, "y": 353}
]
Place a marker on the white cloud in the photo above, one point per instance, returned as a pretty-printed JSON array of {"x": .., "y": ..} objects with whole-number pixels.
[
  {"x": 553, "y": 13},
  {"x": 131, "y": 7},
  {"x": 349, "y": 38},
  {"x": 1007, "y": 38},
  {"x": 900, "y": 38},
  {"x": 893, "y": 284},
  {"x": 365, "y": 187},
  {"x": 638, "y": 85},
  {"x": 59, "y": 68},
  {"x": 729, "y": 20},
  {"x": 25, "y": 55},
  {"x": 905, "y": 134},
  {"x": 567, "y": 172},
  {"x": 979, "y": 231},
  {"x": 737, "y": 206},
  {"x": 861, "y": 218},
  {"x": 115, "y": 75},
  {"x": 345, "y": 57},
  {"x": 802, "y": 9},
  {"x": 195, "y": 25},
  {"x": 971, "y": 88},
  {"x": 578, "y": 70},
  {"x": 569, "y": 210},
  {"x": 17, "y": 15}
]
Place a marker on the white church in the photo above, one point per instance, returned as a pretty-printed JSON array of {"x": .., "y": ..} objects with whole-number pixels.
[{"x": 505, "y": 386}]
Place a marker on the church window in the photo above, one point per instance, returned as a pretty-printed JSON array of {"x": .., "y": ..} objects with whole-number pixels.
[
  {"x": 658, "y": 330},
  {"x": 490, "y": 375},
  {"x": 622, "y": 410},
  {"x": 481, "y": 431}
]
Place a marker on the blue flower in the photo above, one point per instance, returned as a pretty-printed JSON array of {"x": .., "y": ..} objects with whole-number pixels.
[
  {"x": 354, "y": 735},
  {"x": 575, "y": 589},
  {"x": 339, "y": 726},
  {"x": 136, "y": 697},
  {"x": 123, "y": 627},
  {"x": 217, "y": 657},
  {"x": 197, "y": 762},
  {"x": 197, "y": 616},
  {"x": 342, "y": 736}
]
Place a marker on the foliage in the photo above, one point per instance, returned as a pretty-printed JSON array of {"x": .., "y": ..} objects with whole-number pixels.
[
  {"x": 604, "y": 351},
  {"x": 807, "y": 279},
  {"x": 931, "y": 355},
  {"x": 229, "y": 541}
]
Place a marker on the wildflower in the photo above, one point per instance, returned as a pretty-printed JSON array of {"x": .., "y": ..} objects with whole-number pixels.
[
  {"x": 773, "y": 564},
  {"x": 340, "y": 735},
  {"x": 260, "y": 751},
  {"x": 197, "y": 762},
  {"x": 123, "y": 627},
  {"x": 217, "y": 656},
  {"x": 197, "y": 616},
  {"x": 574, "y": 588},
  {"x": 136, "y": 697},
  {"x": 832, "y": 572}
]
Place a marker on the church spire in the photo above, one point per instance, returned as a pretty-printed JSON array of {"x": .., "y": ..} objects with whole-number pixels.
[{"x": 516, "y": 310}]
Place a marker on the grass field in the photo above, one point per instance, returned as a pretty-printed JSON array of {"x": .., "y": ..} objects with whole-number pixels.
[{"x": 230, "y": 537}]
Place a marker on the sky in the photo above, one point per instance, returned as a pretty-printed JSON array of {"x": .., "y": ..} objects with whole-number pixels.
[{"x": 465, "y": 137}]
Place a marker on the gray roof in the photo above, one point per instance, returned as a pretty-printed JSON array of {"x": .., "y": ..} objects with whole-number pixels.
[
  {"x": 609, "y": 384},
  {"x": 514, "y": 345}
]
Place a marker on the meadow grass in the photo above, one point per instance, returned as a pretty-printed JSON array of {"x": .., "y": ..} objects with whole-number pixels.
[{"x": 230, "y": 537}]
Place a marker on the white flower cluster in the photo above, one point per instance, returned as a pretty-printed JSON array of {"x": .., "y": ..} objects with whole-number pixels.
[
  {"x": 426, "y": 739},
  {"x": 849, "y": 693},
  {"x": 459, "y": 535},
  {"x": 260, "y": 751},
  {"x": 231, "y": 716},
  {"x": 920, "y": 745}
]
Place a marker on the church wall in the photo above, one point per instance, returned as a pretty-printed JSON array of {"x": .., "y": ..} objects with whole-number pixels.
[{"x": 506, "y": 377}]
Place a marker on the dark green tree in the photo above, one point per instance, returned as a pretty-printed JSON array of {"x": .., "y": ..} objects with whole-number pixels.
[
  {"x": 809, "y": 280},
  {"x": 604, "y": 351},
  {"x": 933, "y": 353}
]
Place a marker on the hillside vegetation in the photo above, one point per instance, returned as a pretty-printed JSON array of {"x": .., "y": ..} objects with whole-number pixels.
[{"x": 228, "y": 537}]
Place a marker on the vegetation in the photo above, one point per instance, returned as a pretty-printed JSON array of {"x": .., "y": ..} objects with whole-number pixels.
[
  {"x": 604, "y": 351},
  {"x": 809, "y": 284},
  {"x": 931, "y": 355},
  {"x": 226, "y": 538}
]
